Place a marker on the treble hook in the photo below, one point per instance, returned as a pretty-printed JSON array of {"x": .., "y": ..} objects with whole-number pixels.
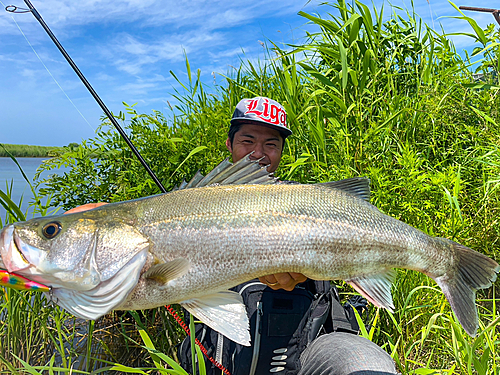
[{"x": 14, "y": 9}]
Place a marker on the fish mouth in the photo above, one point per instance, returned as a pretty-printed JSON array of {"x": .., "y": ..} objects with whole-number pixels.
[{"x": 13, "y": 258}]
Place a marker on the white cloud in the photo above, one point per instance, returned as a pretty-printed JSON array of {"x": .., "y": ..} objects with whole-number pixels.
[
  {"x": 128, "y": 44},
  {"x": 131, "y": 55},
  {"x": 62, "y": 13}
]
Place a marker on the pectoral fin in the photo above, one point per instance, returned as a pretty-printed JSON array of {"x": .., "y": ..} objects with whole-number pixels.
[
  {"x": 376, "y": 288},
  {"x": 224, "y": 312},
  {"x": 165, "y": 272}
]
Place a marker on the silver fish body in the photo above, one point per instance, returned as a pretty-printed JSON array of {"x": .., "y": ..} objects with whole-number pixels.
[
  {"x": 190, "y": 245},
  {"x": 231, "y": 234}
]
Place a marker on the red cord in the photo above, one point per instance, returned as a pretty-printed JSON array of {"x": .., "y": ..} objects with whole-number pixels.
[{"x": 203, "y": 350}]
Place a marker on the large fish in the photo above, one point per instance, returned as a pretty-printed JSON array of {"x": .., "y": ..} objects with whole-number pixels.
[{"x": 190, "y": 245}]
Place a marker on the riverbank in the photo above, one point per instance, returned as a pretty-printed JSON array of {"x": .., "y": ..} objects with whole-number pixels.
[{"x": 30, "y": 151}]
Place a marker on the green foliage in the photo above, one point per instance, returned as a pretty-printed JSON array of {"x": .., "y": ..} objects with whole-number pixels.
[
  {"x": 368, "y": 94},
  {"x": 104, "y": 168}
]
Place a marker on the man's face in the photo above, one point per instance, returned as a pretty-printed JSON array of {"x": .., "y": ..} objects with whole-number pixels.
[{"x": 263, "y": 141}]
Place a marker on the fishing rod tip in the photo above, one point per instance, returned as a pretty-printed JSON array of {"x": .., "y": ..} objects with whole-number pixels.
[{"x": 16, "y": 9}]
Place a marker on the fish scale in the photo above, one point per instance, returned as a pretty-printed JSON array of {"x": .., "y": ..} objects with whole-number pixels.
[
  {"x": 271, "y": 231},
  {"x": 190, "y": 245}
]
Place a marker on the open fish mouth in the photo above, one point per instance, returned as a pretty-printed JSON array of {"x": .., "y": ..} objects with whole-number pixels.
[{"x": 11, "y": 251}]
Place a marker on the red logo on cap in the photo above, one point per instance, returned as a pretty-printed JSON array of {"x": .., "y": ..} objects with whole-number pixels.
[{"x": 270, "y": 112}]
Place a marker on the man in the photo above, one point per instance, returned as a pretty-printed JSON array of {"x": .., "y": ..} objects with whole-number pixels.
[{"x": 259, "y": 127}]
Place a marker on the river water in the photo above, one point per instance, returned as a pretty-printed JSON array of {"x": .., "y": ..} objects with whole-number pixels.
[{"x": 21, "y": 192}]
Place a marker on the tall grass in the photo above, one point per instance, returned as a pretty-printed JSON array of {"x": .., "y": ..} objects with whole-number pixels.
[
  {"x": 369, "y": 94},
  {"x": 27, "y": 329}
]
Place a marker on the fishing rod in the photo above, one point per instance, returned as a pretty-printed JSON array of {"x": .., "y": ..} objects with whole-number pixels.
[{"x": 32, "y": 10}]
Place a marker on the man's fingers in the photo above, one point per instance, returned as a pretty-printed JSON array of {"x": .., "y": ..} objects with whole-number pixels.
[
  {"x": 284, "y": 280},
  {"x": 269, "y": 280},
  {"x": 298, "y": 277}
]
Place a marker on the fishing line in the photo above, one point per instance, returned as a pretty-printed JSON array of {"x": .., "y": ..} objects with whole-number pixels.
[
  {"x": 200, "y": 345},
  {"x": 430, "y": 12},
  {"x": 20, "y": 10}
]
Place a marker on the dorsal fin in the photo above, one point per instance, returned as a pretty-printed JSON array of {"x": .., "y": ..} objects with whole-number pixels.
[
  {"x": 197, "y": 178},
  {"x": 244, "y": 171},
  {"x": 357, "y": 186}
]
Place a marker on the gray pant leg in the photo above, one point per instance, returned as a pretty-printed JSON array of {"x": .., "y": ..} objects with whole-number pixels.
[{"x": 342, "y": 353}]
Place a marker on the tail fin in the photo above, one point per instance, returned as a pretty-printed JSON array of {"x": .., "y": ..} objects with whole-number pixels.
[{"x": 473, "y": 271}]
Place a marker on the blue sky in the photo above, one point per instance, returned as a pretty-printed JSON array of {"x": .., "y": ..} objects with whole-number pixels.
[{"x": 126, "y": 49}]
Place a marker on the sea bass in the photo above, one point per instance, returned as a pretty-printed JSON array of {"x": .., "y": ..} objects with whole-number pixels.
[{"x": 191, "y": 245}]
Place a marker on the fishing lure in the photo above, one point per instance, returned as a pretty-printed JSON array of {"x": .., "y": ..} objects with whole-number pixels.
[{"x": 11, "y": 280}]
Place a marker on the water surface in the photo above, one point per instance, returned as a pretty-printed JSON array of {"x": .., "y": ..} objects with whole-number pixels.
[{"x": 10, "y": 175}]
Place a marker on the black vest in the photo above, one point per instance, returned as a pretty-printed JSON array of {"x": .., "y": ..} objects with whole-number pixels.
[{"x": 282, "y": 324}]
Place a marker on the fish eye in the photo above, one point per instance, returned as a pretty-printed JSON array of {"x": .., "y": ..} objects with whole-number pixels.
[{"x": 51, "y": 230}]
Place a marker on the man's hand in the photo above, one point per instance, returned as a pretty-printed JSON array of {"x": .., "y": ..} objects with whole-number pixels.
[
  {"x": 85, "y": 207},
  {"x": 286, "y": 280}
]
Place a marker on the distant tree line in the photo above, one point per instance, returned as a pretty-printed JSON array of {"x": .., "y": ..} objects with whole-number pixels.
[{"x": 30, "y": 151}]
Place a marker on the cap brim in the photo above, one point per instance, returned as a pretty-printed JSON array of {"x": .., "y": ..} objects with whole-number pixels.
[{"x": 245, "y": 120}]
